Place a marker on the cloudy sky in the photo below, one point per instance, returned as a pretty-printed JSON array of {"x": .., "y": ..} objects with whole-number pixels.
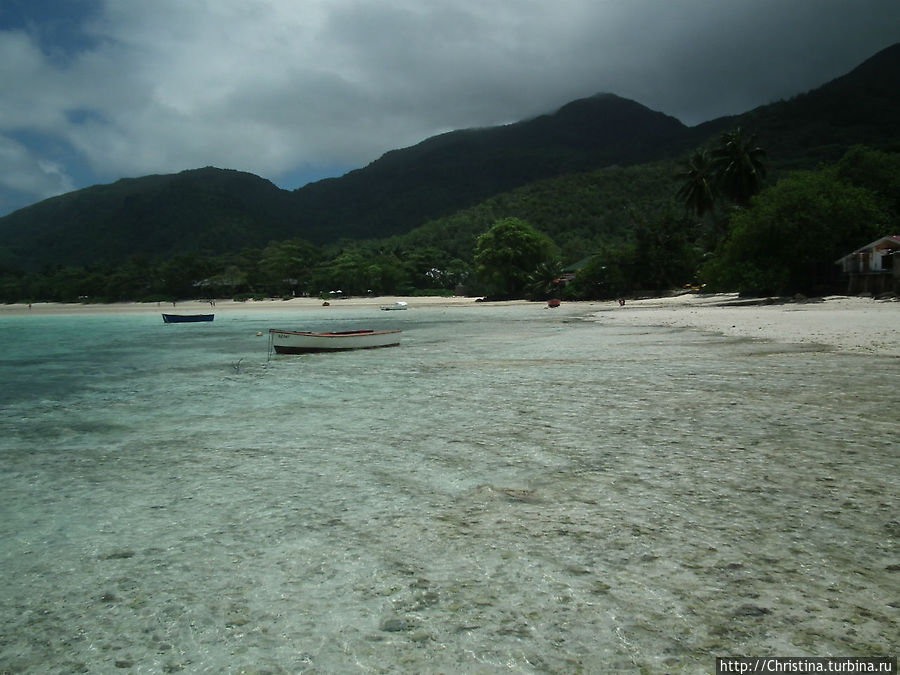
[{"x": 296, "y": 90}]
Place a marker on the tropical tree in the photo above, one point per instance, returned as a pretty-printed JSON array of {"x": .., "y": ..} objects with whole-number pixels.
[
  {"x": 698, "y": 184},
  {"x": 507, "y": 253},
  {"x": 546, "y": 280},
  {"x": 386, "y": 274},
  {"x": 284, "y": 267},
  {"x": 875, "y": 170},
  {"x": 346, "y": 272},
  {"x": 427, "y": 267},
  {"x": 739, "y": 171},
  {"x": 731, "y": 171},
  {"x": 230, "y": 281},
  {"x": 606, "y": 275},
  {"x": 664, "y": 255},
  {"x": 180, "y": 275},
  {"x": 789, "y": 238}
]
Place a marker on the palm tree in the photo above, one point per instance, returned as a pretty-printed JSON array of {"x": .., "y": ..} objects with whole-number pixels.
[
  {"x": 739, "y": 170},
  {"x": 545, "y": 280},
  {"x": 698, "y": 184}
]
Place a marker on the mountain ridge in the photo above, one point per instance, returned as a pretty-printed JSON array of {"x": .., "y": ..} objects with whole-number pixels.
[{"x": 215, "y": 211}]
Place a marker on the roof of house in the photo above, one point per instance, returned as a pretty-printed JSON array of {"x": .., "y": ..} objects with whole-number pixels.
[
  {"x": 575, "y": 266},
  {"x": 890, "y": 241}
]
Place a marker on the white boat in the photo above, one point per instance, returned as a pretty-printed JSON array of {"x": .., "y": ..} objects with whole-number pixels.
[
  {"x": 397, "y": 305},
  {"x": 301, "y": 342}
]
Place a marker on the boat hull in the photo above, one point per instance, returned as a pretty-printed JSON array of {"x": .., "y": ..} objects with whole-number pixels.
[
  {"x": 187, "y": 318},
  {"x": 300, "y": 342}
]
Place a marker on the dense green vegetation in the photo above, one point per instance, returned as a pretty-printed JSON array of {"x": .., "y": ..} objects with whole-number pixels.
[
  {"x": 213, "y": 211},
  {"x": 207, "y": 211},
  {"x": 788, "y": 238},
  {"x": 625, "y": 199},
  {"x": 632, "y": 239},
  {"x": 510, "y": 255}
]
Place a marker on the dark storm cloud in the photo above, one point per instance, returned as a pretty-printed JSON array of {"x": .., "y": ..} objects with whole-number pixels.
[{"x": 288, "y": 90}]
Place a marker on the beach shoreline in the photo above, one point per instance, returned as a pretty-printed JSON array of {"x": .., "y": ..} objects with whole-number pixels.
[
  {"x": 225, "y": 306},
  {"x": 842, "y": 323}
]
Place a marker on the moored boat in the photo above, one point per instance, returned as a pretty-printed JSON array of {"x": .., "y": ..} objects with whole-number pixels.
[
  {"x": 397, "y": 305},
  {"x": 302, "y": 342},
  {"x": 187, "y": 318}
]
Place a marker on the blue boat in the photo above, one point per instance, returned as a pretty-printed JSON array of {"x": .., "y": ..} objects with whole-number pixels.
[{"x": 187, "y": 318}]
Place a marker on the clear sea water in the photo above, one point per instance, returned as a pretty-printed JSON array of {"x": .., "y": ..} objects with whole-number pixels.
[{"x": 511, "y": 490}]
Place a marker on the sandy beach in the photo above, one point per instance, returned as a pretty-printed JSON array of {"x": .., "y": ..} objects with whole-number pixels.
[
  {"x": 230, "y": 306},
  {"x": 842, "y": 323}
]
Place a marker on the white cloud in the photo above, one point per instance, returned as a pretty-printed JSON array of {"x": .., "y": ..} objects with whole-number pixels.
[{"x": 27, "y": 173}]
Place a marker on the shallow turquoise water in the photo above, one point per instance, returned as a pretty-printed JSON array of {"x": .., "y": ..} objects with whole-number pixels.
[{"x": 510, "y": 490}]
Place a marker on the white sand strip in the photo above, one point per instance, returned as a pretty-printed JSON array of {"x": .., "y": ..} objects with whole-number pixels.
[{"x": 843, "y": 323}]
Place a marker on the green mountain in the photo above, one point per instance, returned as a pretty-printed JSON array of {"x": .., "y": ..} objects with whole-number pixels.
[
  {"x": 859, "y": 108},
  {"x": 215, "y": 211},
  {"x": 443, "y": 174},
  {"x": 582, "y": 213}
]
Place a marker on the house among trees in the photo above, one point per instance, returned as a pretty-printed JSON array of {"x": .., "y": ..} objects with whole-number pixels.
[{"x": 874, "y": 268}]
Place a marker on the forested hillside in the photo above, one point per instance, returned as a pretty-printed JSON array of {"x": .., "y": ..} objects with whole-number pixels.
[
  {"x": 406, "y": 188},
  {"x": 214, "y": 211},
  {"x": 647, "y": 202},
  {"x": 582, "y": 212},
  {"x": 201, "y": 210}
]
